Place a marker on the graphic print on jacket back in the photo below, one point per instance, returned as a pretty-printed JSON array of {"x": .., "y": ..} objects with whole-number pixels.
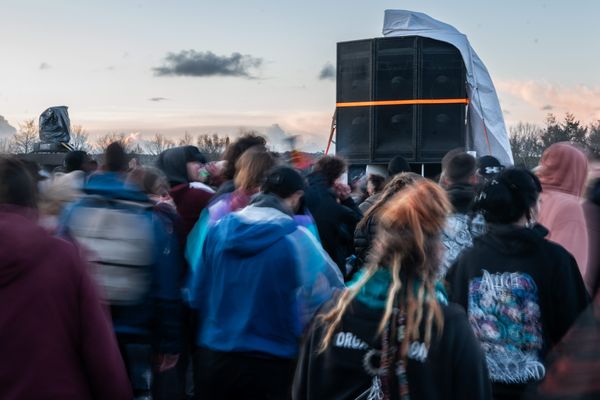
[{"x": 504, "y": 312}]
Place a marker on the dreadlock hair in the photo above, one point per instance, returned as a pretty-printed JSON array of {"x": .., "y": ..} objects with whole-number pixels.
[
  {"x": 398, "y": 183},
  {"x": 407, "y": 243}
]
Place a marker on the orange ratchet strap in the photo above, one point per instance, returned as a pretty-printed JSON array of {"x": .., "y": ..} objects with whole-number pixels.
[{"x": 402, "y": 102}]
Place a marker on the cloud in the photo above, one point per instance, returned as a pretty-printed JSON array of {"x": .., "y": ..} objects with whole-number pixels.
[
  {"x": 581, "y": 100},
  {"x": 157, "y": 99},
  {"x": 277, "y": 138},
  {"x": 44, "y": 66},
  {"x": 6, "y": 129},
  {"x": 327, "y": 72},
  {"x": 193, "y": 63}
]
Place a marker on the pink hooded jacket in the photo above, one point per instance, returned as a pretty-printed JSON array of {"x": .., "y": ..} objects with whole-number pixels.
[{"x": 563, "y": 172}]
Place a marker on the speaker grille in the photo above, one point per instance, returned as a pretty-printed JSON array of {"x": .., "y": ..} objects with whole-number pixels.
[
  {"x": 441, "y": 130},
  {"x": 354, "y": 71},
  {"x": 354, "y": 132},
  {"x": 399, "y": 69}
]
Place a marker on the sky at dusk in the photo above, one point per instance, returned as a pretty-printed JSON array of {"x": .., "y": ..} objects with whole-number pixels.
[{"x": 203, "y": 67}]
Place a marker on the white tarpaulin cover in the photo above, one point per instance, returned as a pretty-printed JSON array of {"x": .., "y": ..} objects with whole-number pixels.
[{"x": 487, "y": 132}]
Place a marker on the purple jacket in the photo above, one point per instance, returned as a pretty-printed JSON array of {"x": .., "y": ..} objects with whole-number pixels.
[{"x": 56, "y": 340}]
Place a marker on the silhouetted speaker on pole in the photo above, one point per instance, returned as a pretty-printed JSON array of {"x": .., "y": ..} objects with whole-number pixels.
[{"x": 399, "y": 96}]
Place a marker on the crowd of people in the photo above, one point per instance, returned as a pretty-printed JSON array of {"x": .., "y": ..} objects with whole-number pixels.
[{"x": 247, "y": 278}]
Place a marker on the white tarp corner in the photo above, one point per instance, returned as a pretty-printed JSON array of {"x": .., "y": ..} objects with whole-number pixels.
[{"x": 486, "y": 128}]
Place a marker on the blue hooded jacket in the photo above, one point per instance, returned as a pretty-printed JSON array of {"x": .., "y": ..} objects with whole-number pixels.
[
  {"x": 260, "y": 280},
  {"x": 159, "y": 317}
]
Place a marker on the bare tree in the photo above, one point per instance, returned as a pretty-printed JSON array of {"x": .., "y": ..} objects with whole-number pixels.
[
  {"x": 526, "y": 144},
  {"x": 158, "y": 144},
  {"x": 213, "y": 145},
  {"x": 136, "y": 148},
  {"x": 103, "y": 141},
  {"x": 25, "y": 137},
  {"x": 186, "y": 140},
  {"x": 80, "y": 139}
]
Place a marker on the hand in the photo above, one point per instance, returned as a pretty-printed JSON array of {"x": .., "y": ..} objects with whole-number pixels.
[
  {"x": 133, "y": 164},
  {"x": 342, "y": 191},
  {"x": 166, "y": 361},
  {"x": 214, "y": 168}
]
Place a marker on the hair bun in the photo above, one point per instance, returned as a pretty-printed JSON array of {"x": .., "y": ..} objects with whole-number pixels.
[{"x": 509, "y": 196}]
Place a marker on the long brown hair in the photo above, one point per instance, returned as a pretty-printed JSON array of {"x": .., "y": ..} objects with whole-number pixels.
[
  {"x": 252, "y": 168},
  {"x": 407, "y": 243}
]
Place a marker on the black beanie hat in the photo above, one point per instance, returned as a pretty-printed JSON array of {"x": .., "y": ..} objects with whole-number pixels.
[{"x": 283, "y": 182}]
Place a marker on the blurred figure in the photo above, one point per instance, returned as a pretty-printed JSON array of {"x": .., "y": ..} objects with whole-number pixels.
[
  {"x": 358, "y": 189},
  {"x": 375, "y": 184},
  {"x": 591, "y": 209},
  {"x": 78, "y": 161},
  {"x": 259, "y": 282},
  {"x": 390, "y": 336},
  {"x": 572, "y": 371},
  {"x": 133, "y": 252},
  {"x": 463, "y": 225},
  {"x": 55, "y": 338},
  {"x": 252, "y": 168},
  {"x": 563, "y": 171},
  {"x": 153, "y": 182},
  {"x": 233, "y": 152},
  {"x": 522, "y": 292},
  {"x": 488, "y": 167},
  {"x": 93, "y": 166},
  {"x": 334, "y": 211},
  {"x": 251, "y": 171},
  {"x": 63, "y": 189},
  {"x": 367, "y": 227},
  {"x": 574, "y": 363},
  {"x": 57, "y": 193},
  {"x": 397, "y": 165},
  {"x": 182, "y": 167},
  {"x": 169, "y": 383}
]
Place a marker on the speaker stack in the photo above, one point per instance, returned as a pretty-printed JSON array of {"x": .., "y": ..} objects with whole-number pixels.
[{"x": 399, "y": 96}]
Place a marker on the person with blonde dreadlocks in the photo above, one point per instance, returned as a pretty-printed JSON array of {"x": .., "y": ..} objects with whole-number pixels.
[{"x": 391, "y": 334}]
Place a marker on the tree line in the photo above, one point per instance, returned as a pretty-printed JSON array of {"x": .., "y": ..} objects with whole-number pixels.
[
  {"x": 528, "y": 141},
  {"x": 22, "y": 142}
]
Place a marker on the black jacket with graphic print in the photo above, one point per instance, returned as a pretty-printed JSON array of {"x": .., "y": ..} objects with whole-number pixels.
[
  {"x": 522, "y": 293},
  {"x": 454, "y": 368}
]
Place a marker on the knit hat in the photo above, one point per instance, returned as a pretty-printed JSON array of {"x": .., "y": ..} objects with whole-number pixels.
[{"x": 283, "y": 182}]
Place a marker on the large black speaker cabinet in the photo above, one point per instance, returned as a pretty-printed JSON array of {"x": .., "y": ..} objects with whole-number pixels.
[{"x": 399, "y": 96}]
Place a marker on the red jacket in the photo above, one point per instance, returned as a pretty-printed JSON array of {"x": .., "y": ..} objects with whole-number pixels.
[
  {"x": 190, "y": 201},
  {"x": 56, "y": 341}
]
